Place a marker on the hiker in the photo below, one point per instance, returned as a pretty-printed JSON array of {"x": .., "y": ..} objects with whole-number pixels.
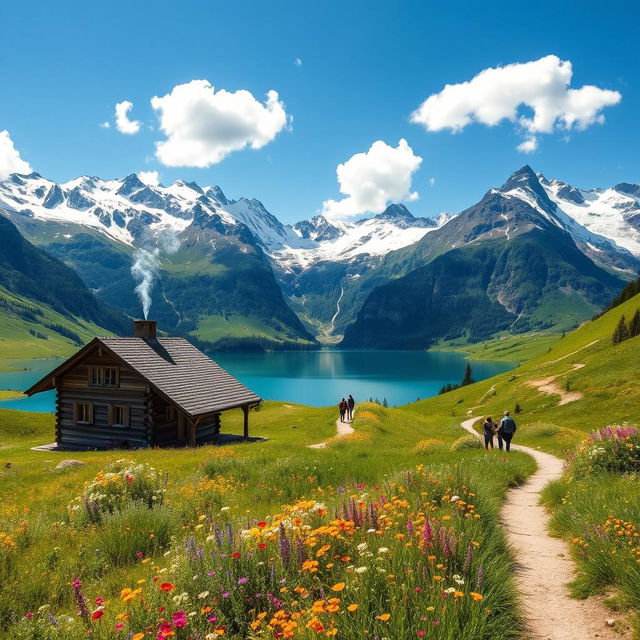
[
  {"x": 489, "y": 428},
  {"x": 506, "y": 430},
  {"x": 351, "y": 403},
  {"x": 343, "y": 409}
]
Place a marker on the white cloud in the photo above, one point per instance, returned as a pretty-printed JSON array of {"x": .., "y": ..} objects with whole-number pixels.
[
  {"x": 373, "y": 179},
  {"x": 432, "y": 182},
  {"x": 203, "y": 125},
  {"x": 123, "y": 123},
  {"x": 528, "y": 145},
  {"x": 10, "y": 160},
  {"x": 298, "y": 62},
  {"x": 498, "y": 94},
  {"x": 105, "y": 124},
  {"x": 152, "y": 178}
]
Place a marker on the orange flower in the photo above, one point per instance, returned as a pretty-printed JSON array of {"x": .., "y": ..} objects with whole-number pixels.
[
  {"x": 476, "y": 596},
  {"x": 384, "y": 617},
  {"x": 339, "y": 586},
  {"x": 352, "y": 608},
  {"x": 137, "y": 636}
]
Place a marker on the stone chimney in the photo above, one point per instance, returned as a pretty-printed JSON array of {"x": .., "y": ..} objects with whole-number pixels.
[{"x": 145, "y": 329}]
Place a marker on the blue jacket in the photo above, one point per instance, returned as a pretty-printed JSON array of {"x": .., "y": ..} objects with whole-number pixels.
[{"x": 507, "y": 425}]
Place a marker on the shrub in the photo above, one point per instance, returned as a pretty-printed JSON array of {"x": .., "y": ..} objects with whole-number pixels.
[
  {"x": 126, "y": 536},
  {"x": 614, "y": 449},
  {"x": 116, "y": 486},
  {"x": 430, "y": 445},
  {"x": 466, "y": 442}
]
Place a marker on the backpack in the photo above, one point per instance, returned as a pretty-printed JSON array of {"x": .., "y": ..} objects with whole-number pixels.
[{"x": 508, "y": 425}]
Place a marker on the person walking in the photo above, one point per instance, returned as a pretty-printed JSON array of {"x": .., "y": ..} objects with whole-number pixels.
[
  {"x": 507, "y": 430},
  {"x": 489, "y": 428},
  {"x": 343, "y": 409},
  {"x": 351, "y": 403}
]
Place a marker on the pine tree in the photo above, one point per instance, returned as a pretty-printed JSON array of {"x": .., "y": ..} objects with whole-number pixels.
[
  {"x": 517, "y": 408},
  {"x": 634, "y": 325},
  {"x": 468, "y": 378},
  {"x": 622, "y": 331},
  {"x": 385, "y": 404}
]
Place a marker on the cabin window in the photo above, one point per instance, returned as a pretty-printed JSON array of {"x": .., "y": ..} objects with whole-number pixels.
[
  {"x": 84, "y": 413},
  {"x": 103, "y": 376},
  {"x": 119, "y": 416}
]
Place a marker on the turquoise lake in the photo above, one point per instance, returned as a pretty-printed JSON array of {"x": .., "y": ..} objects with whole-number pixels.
[{"x": 316, "y": 378}]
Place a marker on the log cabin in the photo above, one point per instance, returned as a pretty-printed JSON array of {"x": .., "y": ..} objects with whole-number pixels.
[{"x": 142, "y": 391}]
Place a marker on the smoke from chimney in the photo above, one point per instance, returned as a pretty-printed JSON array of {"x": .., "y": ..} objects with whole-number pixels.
[{"x": 146, "y": 266}]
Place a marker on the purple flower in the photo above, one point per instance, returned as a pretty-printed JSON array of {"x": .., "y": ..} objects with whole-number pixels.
[{"x": 242, "y": 580}]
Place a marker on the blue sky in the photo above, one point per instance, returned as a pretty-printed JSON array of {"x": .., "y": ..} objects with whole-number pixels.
[{"x": 366, "y": 66}]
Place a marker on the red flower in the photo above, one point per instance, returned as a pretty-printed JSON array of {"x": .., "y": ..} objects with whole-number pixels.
[
  {"x": 97, "y": 614},
  {"x": 262, "y": 545},
  {"x": 167, "y": 586},
  {"x": 262, "y": 524},
  {"x": 236, "y": 554}
]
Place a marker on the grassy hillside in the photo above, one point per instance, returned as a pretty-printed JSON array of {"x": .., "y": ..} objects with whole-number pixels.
[
  {"x": 518, "y": 348},
  {"x": 602, "y": 377},
  {"x": 30, "y": 329}
]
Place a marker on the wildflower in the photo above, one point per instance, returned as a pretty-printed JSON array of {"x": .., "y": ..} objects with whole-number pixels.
[
  {"x": 352, "y": 607},
  {"x": 96, "y": 615},
  {"x": 383, "y": 550},
  {"x": 361, "y": 569},
  {"x": 384, "y": 617},
  {"x": 339, "y": 586},
  {"x": 137, "y": 636},
  {"x": 167, "y": 586},
  {"x": 476, "y": 596}
]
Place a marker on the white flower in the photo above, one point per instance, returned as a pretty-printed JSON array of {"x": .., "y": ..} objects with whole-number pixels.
[
  {"x": 383, "y": 550},
  {"x": 362, "y": 546},
  {"x": 371, "y": 530},
  {"x": 450, "y": 590},
  {"x": 455, "y": 498},
  {"x": 203, "y": 595},
  {"x": 224, "y": 509},
  {"x": 361, "y": 569}
]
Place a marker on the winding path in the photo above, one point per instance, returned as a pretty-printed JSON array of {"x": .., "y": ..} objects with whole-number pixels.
[
  {"x": 342, "y": 428},
  {"x": 544, "y": 565}
]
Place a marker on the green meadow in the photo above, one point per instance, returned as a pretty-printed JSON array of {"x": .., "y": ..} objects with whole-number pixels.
[{"x": 394, "y": 527}]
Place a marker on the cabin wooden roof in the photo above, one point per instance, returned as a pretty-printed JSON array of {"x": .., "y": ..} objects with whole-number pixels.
[{"x": 174, "y": 367}]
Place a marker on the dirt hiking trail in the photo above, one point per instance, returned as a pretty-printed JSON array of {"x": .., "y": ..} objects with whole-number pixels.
[
  {"x": 543, "y": 564},
  {"x": 550, "y": 386},
  {"x": 342, "y": 429}
]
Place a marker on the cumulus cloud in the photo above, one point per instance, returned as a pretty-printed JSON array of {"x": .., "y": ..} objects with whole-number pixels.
[
  {"x": 373, "y": 179},
  {"x": 10, "y": 160},
  {"x": 105, "y": 124},
  {"x": 123, "y": 123},
  {"x": 498, "y": 94},
  {"x": 203, "y": 125},
  {"x": 152, "y": 178},
  {"x": 298, "y": 62}
]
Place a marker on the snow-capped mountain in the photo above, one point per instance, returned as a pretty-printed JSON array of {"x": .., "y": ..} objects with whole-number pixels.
[
  {"x": 613, "y": 213},
  {"x": 128, "y": 210},
  {"x": 325, "y": 268}
]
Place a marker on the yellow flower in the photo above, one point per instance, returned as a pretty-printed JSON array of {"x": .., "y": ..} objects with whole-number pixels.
[
  {"x": 476, "y": 596},
  {"x": 352, "y": 608},
  {"x": 338, "y": 586},
  {"x": 384, "y": 617},
  {"x": 137, "y": 636}
]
